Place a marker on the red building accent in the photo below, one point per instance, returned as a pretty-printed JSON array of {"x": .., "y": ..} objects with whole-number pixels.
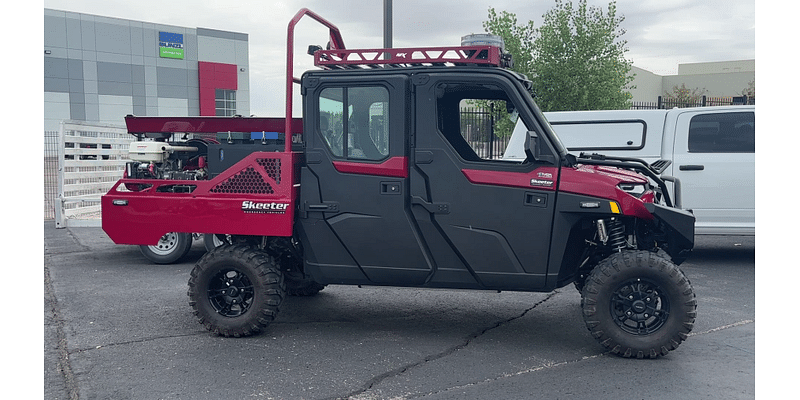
[{"x": 214, "y": 76}]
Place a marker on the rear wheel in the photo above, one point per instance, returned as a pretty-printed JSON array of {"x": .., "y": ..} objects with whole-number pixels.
[
  {"x": 638, "y": 304},
  {"x": 236, "y": 290},
  {"x": 170, "y": 248}
]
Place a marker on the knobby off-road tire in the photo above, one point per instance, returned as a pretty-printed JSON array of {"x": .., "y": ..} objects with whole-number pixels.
[
  {"x": 638, "y": 304},
  {"x": 170, "y": 248},
  {"x": 236, "y": 290}
]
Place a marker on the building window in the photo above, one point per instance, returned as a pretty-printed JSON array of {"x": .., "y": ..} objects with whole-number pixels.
[{"x": 225, "y": 102}]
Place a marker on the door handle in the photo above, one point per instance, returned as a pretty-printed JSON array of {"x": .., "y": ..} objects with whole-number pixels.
[
  {"x": 535, "y": 199},
  {"x": 433, "y": 208},
  {"x": 692, "y": 167},
  {"x": 390, "y": 188},
  {"x": 327, "y": 206}
]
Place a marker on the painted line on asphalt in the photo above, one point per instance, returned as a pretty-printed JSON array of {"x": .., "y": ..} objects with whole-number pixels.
[{"x": 720, "y": 328}]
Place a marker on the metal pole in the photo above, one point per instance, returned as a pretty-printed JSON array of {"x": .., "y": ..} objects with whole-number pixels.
[{"x": 387, "y": 26}]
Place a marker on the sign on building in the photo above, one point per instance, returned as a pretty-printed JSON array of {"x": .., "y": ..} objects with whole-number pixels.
[{"x": 170, "y": 45}]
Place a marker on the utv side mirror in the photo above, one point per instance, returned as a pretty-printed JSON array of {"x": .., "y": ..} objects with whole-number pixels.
[
  {"x": 531, "y": 143},
  {"x": 533, "y": 148}
]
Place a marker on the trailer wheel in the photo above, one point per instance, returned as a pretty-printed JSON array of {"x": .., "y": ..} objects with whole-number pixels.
[
  {"x": 638, "y": 304},
  {"x": 170, "y": 248},
  {"x": 236, "y": 290}
]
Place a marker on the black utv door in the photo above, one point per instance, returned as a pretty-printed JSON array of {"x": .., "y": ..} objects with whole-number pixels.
[
  {"x": 485, "y": 218},
  {"x": 355, "y": 216}
]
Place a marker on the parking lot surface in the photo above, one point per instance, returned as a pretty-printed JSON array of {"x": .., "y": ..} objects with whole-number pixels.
[{"x": 118, "y": 327}]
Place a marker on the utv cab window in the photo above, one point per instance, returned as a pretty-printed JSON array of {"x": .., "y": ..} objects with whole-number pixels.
[
  {"x": 478, "y": 121},
  {"x": 362, "y": 132}
]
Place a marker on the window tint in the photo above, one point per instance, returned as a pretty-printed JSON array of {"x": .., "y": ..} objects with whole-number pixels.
[
  {"x": 362, "y": 132},
  {"x": 723, "y": 133}
]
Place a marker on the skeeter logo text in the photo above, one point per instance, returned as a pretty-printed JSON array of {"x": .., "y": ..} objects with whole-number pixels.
[{"x": 264, "y": 208}]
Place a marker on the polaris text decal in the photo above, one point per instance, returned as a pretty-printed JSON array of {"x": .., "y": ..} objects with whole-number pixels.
[
  {"x": 264, "y": 208},
  {"x": 543, "y": 179}
]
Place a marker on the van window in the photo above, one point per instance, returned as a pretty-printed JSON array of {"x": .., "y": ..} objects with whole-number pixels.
[
  {"x": 723, "y": 133},
  {"x": 601, "y": 135}
]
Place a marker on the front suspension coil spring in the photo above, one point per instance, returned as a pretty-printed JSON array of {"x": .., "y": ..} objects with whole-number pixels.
[{"x": 616, "y": 234}]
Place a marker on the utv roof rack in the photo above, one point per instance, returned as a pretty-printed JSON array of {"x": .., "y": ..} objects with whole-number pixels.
[
  {"x": 408, "y": 57},
  {"x": 337, "y": 57}
]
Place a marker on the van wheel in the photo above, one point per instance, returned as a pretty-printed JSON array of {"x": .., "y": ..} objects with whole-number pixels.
[
  {"x": 170, "y": 248},
  {"x": 236, "y": 290},
  {"x": 638, "y": 304}
]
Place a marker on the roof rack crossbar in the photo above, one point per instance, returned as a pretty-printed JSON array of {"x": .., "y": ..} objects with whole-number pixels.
[{"x": 461, "y": 55}]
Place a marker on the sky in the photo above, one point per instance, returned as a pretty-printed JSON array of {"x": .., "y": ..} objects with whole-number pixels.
[{"x": 660, "y": 33}]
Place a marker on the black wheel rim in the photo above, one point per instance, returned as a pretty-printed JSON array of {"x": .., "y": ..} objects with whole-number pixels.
[
  {"x": 230, "y": 293},
  {"x": 639, "y": 307}
]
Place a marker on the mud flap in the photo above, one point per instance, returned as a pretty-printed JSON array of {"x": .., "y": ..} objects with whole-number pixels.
[{"x": 678, "y": 225}]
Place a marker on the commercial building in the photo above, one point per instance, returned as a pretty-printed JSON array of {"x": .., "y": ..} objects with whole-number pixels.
[
  {"x": 719, "y": 79},
  {"x": 99, "y": 69}
]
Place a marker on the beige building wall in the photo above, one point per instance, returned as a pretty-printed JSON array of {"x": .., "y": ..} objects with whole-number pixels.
[
  {"x": 722, "y": 67},
  {"x": 648, "y": 85},
  {"x": 719, "y": 79}
]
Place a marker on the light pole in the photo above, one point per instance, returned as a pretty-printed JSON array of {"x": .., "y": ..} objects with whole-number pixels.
[{"x": 387, "y": 26}]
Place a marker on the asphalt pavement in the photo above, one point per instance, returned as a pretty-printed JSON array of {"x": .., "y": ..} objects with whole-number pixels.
[{"x": 118, "y": 327}]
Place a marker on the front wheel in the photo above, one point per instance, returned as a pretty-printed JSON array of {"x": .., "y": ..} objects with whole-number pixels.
[
  {"x": 236, "y": 290},
  {"x": 638, "y": 304},
  {"x": 170, "y": 248}
]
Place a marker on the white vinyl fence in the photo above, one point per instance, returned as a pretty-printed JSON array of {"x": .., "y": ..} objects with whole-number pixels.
[{"x": 91, "y": 158}]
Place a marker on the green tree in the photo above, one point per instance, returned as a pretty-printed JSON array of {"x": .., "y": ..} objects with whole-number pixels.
[
  {"x": 575, "y": 60},
  {"x": 518, "y": 38}
]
